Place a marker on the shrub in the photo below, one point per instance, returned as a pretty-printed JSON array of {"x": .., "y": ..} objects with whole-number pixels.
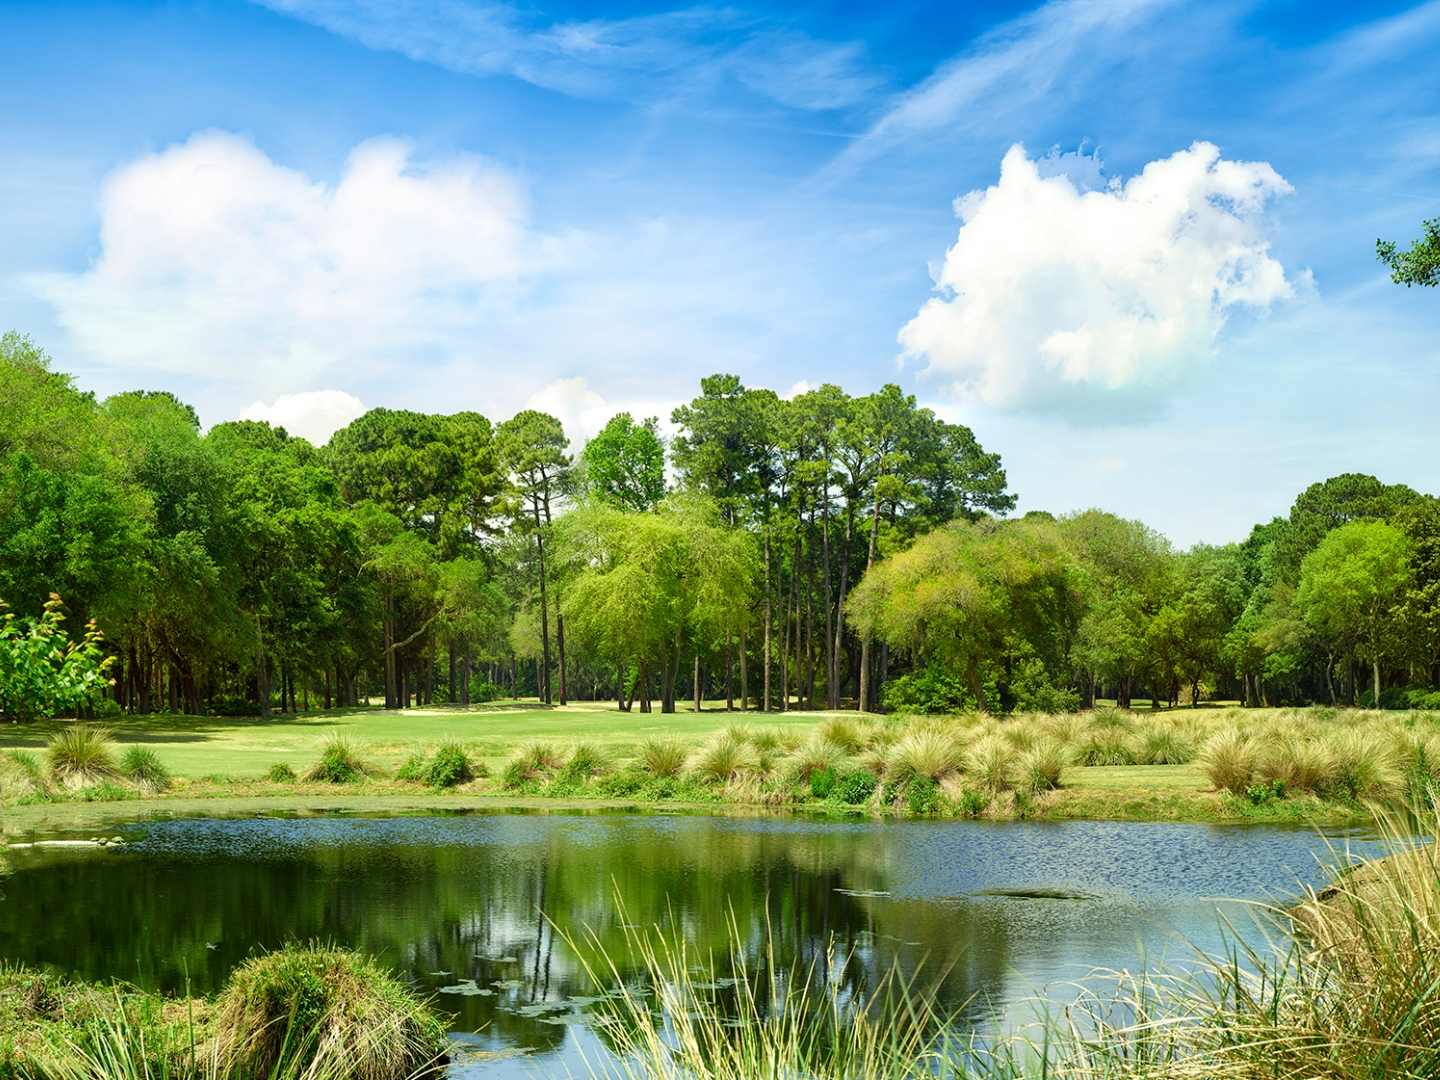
[
  {"x": 1042, "y": 767},
  {"x": 822, "y": 782},
  {"x": 663, "y": 758},
  {"x": 855, "y": 787},
  {"x": 1034, "y": 692},
  {"x": 413, "y": 769},
  {"x": 723, "y": 758},
  {"x": 922, "y": 795},
  {"x": 143, "y": 768},
  {"x": 586, "y": 760},
  {"x": 327, "y": 1011},
  {"x": 281, "y": 773},
  {"x": 621, "y": 785},
  {"x": 931, "y": 754},
  {"x": 450, "y": 766},
  {"x": 482, "y": 689},
  {"x": 1228, "y": 759},
  {"x": 81, "y": 755},
  {"x": 928, "y": 691},
  {"x": 973, "y": 802},
  {"x": 340, "y": 762}
]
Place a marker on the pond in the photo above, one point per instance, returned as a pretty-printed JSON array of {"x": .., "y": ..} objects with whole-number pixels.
[{"x": 475, "y": 908}]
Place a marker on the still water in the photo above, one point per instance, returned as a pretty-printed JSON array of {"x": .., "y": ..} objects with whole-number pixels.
[{"x": 476, "y": 908}]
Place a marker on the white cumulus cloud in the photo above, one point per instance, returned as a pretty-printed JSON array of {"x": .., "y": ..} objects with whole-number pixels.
[
  {"x": 1062, "y": 301},
  {"x": 216, "y": 260},
  {"x": 580, "y": 409},
  {"x": 314, "y": 415}
]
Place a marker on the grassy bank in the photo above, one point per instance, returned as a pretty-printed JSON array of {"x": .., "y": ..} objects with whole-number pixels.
[{"x": 1219, "y": 764}]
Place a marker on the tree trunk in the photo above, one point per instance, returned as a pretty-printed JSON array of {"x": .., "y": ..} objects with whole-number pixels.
[
  {"x": 1376, "y": 702},
  {"x": 542, "y": 680},
  {"x": 453, "y": 688},
  {"x": 697, "y": 682},
  {"x": 392, "y": 684},
  {"x": 642, "y": 684},
  {"x": 560, "y": 645},
  {"x": 865, "y": 693},
  {"x": 765, "y": 705},
  {"x": 729, "y": 672},
  {"x": 262, "y": 676},
  {"x": 744, "y": 677},
  {"x": 832, "y": 669},
  {"x": 621, "y": 701}
]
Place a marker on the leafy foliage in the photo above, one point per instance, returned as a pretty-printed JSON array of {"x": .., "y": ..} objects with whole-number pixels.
[{"x": 42, "y": 671}]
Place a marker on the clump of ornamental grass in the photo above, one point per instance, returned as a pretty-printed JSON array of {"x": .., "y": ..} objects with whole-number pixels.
[
  {"x": 1228, "y": 759},
  {"x": 1108, "y": 744},
  {"x": 843, "y": 733},
  {"x": 988, "y": 764},
  {"x": 722, "y": 759},
  {"x": 587, "y": 760},
  {"x": 281, "y": 773},
  {"x": 22, "y": 779},
  {"x": 663, "y": 758},
  {"x": 1165, "y": 745},
  {"x": 143, "y": 768},
  {"x": 1042, "y": 767},
  {"x": 81, "y": 756},
  {"x": 326, "y": 1011},
  {"x": 1366, "y": 766},
  {"x": 1298, "y": 763},
  {"x": 814, "y": 757},
  {"x": 928, "y": 753},
  {"x": 451, "y": 766},
  {"x": 413, "y": 768},
  {"x": 532, "y": 761},
  {"x": 339, "y": 763}
]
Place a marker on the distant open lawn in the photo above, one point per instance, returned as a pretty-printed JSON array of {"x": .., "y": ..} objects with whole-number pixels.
[
  {"x": 1301, "y": 765},
  {"x": 200, "y": 746}
]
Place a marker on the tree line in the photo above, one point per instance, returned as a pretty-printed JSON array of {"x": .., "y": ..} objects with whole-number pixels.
[{"x": 824, "y": 551}]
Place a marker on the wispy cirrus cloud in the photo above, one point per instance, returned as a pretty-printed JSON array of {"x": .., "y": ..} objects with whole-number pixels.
[
  {"x": 690, "y": 52},
  {"x": 1005, "y": 72}
]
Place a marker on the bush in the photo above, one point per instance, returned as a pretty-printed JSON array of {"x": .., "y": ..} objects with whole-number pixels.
[
  {"x": 922, "y": 795},
  {"x": 930, "y": 690},
  {"x": 1033, "y": 691},
  {"x": 450, "y": 766},
  {"x": 621, "y": 785},
  {"x": 281, "y": 773},
  {"x": 973, "y": 803},
  {"x": 482, "y": 689},
  {"x": 413, "y": 769},
  {"x": 335, "y": 1012},
  {"x": 340, "y": 762},
  {"x": 81, "y": 755},
  {"x": 822, "y": 782},
  {"x": 855, "y": 788},
  {"x": 144, "y": 769}
]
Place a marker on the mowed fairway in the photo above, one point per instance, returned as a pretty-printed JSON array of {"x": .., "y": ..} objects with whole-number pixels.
[{"x": 200, "y": 746}]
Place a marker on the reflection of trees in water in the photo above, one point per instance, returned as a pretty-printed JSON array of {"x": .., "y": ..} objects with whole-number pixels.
[{"x": 481, "y": 906}]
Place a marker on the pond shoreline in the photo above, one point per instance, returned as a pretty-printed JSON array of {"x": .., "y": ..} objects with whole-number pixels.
[{"x": 1070, "y": 804}]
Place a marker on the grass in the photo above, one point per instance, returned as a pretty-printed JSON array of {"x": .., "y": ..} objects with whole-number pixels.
[
  {"x": 1321, "y": 765},
  {"x": 81, "y": 756},
  {"x": 304, "y": 1012},
  {"x": 1349, "y": 990}
]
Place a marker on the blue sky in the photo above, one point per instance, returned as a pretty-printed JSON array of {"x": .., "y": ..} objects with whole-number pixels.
[{"x": 285, "y": 209}]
